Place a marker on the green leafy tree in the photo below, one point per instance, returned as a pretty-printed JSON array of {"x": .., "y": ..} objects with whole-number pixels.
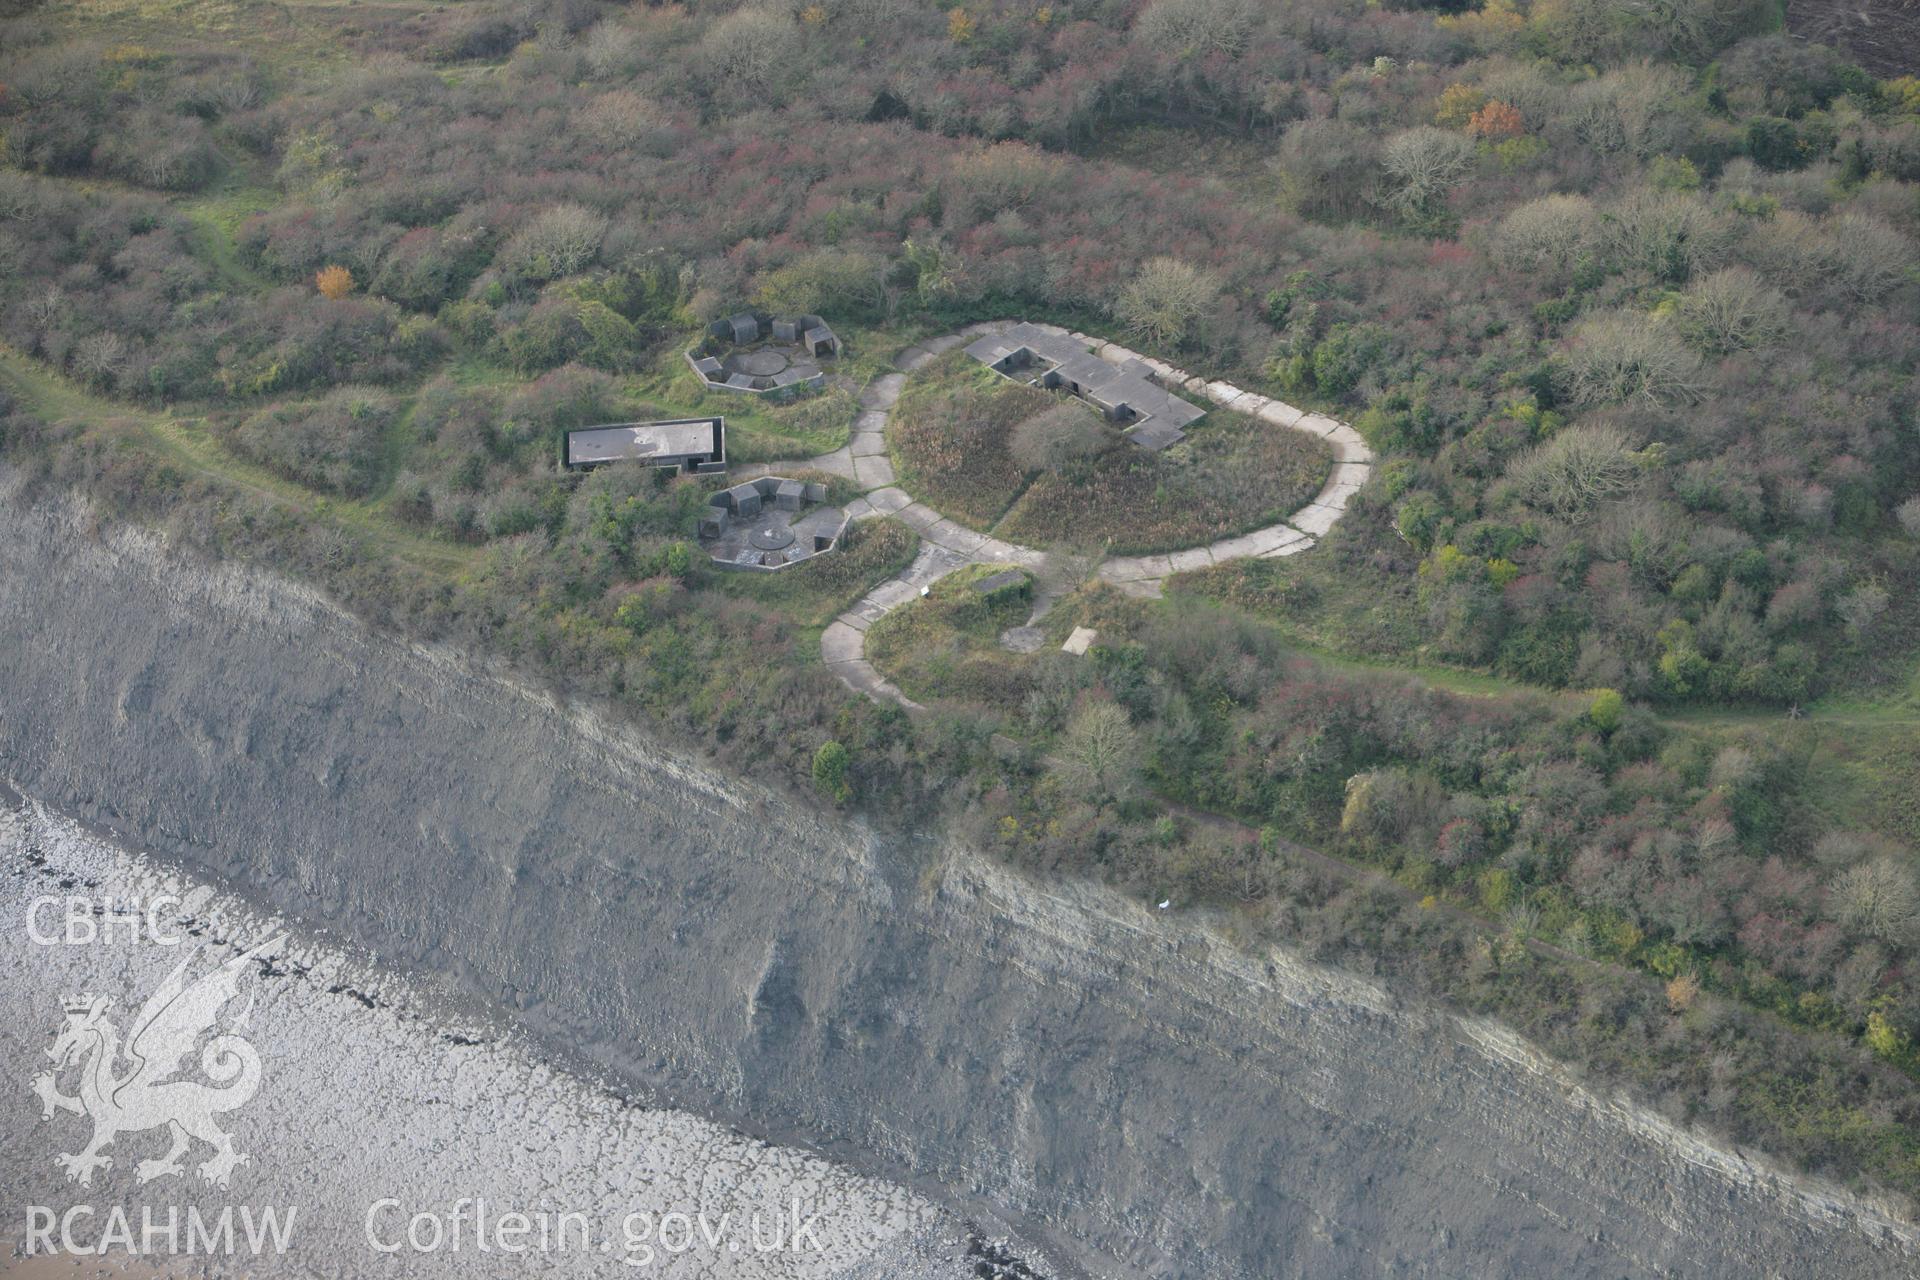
[{"x": 830, "y": 765}]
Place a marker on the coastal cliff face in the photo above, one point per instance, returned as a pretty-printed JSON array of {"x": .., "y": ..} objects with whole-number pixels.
[{"x": 1123, "y": 1087}]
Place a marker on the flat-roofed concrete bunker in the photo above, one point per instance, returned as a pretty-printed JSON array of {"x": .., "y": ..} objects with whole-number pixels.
[{"x": 692, "y": 446}]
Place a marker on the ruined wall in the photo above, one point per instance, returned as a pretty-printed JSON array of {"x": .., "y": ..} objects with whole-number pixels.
[{"x": 1122, "y": 1085}]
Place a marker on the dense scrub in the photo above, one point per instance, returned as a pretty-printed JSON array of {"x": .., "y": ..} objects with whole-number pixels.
[
  {"x": 1669, "y": 229},
  {"x": 333, "y": 445},
  {"x": 1624, "y": 297},
  {"x": 1589, "y": 838},
  {"x": 1212, "y": 709}
]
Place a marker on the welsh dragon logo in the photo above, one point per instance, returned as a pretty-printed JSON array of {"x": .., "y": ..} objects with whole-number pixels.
[{"x": 126, "y": 1089}]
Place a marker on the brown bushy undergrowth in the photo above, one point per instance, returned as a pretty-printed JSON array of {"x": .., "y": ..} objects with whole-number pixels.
[{"x": 957, "y": 439}]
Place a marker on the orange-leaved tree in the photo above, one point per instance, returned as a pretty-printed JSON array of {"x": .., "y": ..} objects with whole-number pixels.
[
  {"x": 333, "y": 282},
  {"x": 1497, "y": 120}
]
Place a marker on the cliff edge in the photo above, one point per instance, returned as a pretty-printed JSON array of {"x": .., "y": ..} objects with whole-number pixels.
[{"x": 1126, "y": 1087}]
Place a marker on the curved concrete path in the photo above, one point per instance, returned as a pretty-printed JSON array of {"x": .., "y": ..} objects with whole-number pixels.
[{"x": 946, "y": 546}]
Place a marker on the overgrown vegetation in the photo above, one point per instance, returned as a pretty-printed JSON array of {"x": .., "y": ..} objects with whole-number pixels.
[
  {"x": 1624, "y": 297},
  {"x": 947, "y": 645},
  {"x": 1627, "y": 890},
  {"x": 1042, "y": 468}
]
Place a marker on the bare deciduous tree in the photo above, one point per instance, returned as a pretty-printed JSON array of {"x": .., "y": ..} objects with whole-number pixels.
[
  {"x": 1789, "y": 249},
  {"x": 1577, "y": 468},
  {"x": 743, "y": 48},
  {"x": 1327, "y": 167},
  {"x": 47, "y": 305},
  {"x": 18, "y": 196},
  {"x": 238, "y": 91},
  {"x": 1633, "y": 110},
  {"x": 1732, "y": 310},
  {"x": 1198, "y": 28},
  {"x": 1857, "y": 254},
  {"x": 1423, "y": 164},
  {"x": 1869, "y": 257},
  {"x": 1877, "y": 899},
  {"x": 1861, "y": 607},
  {"x": 621, "y": 118},
  {"x": 1840, "y": 849},
  {"x": 1733, "y": 767},
  {"x": 98, "y": 356},
  {"x": 1006, "y": 175},
  {"x": 608, "y": 48},
  {"x": 1621, "y": 355},
  {"x": 1099, "y": 753},
  {"x": 868, "y": 12},
  {"x": 558, "y": 242},
  {"x": 1551, "y": 232},
  {"x": 1537, "y": 93},
  {"x": 1162, "y": 302},
  {"x": 1668, "y": 234}
]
